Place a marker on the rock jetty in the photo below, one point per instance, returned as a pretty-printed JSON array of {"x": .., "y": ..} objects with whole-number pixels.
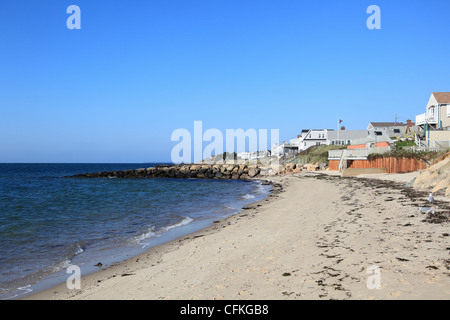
[{"x": 205, "y": 171}]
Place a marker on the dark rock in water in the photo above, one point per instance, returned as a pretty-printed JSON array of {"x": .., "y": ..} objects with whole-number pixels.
[{"x": 99, "y": 265}]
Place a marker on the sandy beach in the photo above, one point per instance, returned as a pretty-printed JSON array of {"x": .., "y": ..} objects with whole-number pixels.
[{"x": 314, "y": 237}]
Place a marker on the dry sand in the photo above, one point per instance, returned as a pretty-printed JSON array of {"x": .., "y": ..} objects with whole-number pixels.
[{"x": 315, "y": 239}]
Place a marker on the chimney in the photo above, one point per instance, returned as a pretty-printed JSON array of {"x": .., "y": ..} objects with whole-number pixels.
[
  {"x": 409, "y": 123},
  {"x": 342, "y": 128}
]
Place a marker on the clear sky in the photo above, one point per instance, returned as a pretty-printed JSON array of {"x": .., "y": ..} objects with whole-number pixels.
[{"x": 115, "y": 90}]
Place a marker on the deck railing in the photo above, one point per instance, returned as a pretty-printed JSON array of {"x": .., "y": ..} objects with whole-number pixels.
[{"x": 424, "y": 118}]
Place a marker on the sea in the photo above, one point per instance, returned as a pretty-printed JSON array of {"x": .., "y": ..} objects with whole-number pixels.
[{"x": 50, "y": 221}]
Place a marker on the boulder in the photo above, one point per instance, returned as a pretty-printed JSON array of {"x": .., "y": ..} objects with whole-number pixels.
[
  {"x": 244, "y": 176},
  {"x": 311, "y": 167},
  {"x": 229, "y": 167},
  {"x": 253, "y": 172},
  {"x": 242, "y": 167},
  {"x": 235, "y": 176},
  {"x": 290, "y": 166}
]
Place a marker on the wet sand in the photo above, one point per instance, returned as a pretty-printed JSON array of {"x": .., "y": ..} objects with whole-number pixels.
[{"x": 315, "y": 237}]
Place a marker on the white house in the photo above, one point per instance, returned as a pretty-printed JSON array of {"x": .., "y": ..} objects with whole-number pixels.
[
  {"x": 243, "y": 155},
  {"x": 253, "y": 155},
  {"x": 317, "y": 137},
  {"x": 313, "y": 137},
  {"x": 284, "y": 149}
]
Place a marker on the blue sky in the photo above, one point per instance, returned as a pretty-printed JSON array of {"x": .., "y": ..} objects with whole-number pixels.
[{"x": 115, "y": 90}]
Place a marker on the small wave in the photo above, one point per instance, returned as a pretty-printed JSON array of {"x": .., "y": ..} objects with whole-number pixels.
[
  {"x": 184, "y": 222},
  {"x": 153, "y": 233},
  {"x": 149, "y": 234},
  {"x": 248, "y": 196},
  {"x": 23, "y": 290},
  {"x": 77, "y": 250},
  {"x": 260, "y": 188},
  {"x": 61, "y": 266}
]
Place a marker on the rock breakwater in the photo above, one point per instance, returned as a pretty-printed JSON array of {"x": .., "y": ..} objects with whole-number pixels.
[{"x": 204, "y": 171}]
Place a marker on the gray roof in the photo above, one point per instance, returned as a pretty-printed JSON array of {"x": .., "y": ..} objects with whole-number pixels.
[
  {"x": 387, "y": 124},
  {"x": 347, "y": 134}
]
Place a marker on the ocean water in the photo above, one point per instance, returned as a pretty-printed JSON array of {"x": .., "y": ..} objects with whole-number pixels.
[{"x": 49, "y": 222}]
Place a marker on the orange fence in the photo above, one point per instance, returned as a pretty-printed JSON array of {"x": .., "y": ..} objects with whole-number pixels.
[{"x": 392, "y": 165}]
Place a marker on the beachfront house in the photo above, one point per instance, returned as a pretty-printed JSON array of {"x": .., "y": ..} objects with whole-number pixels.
[
  {"x": 373, "y": 141},
  {"x": 318, "y": 137},
  {"x": 253, "y": 155},
  {"x": 308, "y": 138},
  {"x": 243, "y": 155},
  {"x": 435, "y": 122},
  {"x": 313, "y": 137},
  {"x": 345, "y": 137},
  {"x": 392, "y": 129},
  {"x": 284, "y": 149}
]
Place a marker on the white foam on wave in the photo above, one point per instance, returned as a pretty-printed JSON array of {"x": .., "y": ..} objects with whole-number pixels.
[
  {"x": 149, "y": 234},
  {"x": 62, "y": 265},
  {"x": 77, "y": 250},
  {"x": 152, "y": 233},
  {"x": 183, "y": 222},
  {"x": 248, "y": 196},
  {"x": 260, "y": 188},
  {"x": 23, "y": 290}
]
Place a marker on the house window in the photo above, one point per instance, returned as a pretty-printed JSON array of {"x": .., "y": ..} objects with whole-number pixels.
[
  {"x": 396, "y": 130},
  {"x": 431, "y": 112},
  {"x": 349, "y": 142}
]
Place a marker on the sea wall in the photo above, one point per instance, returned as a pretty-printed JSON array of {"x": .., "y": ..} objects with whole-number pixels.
[{"x": 205, "y": 171}]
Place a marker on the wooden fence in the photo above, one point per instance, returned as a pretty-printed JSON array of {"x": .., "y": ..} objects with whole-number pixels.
[{"x": 392, "y": 165}]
